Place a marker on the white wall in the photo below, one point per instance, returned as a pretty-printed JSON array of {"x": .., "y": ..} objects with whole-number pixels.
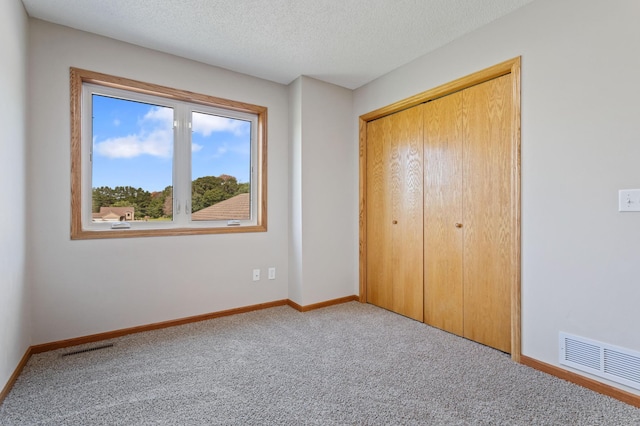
[
  {"x": 324, "y": 216},
  {"x": 295, "y": 191},
  {"x": 580, "y": 127},
  {"x": 14, "y": 311},
  {"x": 85, "y": 287}
]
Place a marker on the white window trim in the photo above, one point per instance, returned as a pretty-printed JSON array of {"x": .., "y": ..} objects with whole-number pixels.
[{"x": 85, "y": 83}]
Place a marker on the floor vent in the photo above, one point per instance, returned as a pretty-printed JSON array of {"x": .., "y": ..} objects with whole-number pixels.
[
  {"x": 95, "y": 348},
  {"x": 610, "y": 362}
]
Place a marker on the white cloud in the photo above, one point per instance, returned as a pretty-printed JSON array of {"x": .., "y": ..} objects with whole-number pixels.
[
  {"x": 154, "y": 138},
  {"x": 158, "y": 143},
  {"x": 205, "y": 124},
  {"x": 155, "y": 135},
  {"x": 162, "y": 114}
]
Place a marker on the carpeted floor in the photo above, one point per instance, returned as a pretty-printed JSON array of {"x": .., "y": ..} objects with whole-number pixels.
[{"x": 350, "y": 364}]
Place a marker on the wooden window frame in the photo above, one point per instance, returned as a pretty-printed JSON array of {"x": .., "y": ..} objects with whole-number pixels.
[{"x": 78, "y": 77}]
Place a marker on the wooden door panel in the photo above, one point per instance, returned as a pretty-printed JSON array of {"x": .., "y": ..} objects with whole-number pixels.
[
  {"x": 443, "y": 284},
  {"x": 488, "y": 229},
  {"x": 407, "y": 206},
  {"x": 379, "y": 267}
]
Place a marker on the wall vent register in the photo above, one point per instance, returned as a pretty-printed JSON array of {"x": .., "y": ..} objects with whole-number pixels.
[{"x": 617, "y": 364}]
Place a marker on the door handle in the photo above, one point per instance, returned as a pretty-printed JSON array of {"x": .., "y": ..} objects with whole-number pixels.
[
  {"x": 458, "y": 225},
  {"x": 395, "y": 222}
]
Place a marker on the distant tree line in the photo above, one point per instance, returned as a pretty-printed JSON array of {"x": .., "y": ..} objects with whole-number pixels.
[{"x": 205, "y": 191}]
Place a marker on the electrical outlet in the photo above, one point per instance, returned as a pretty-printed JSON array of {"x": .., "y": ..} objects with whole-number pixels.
[
  {"x": 272, "y": 273},
  {"x": 256, "y": 274}
]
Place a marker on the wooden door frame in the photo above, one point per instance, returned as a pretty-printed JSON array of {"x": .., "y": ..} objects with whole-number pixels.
[{"x": 512, "y": 67}]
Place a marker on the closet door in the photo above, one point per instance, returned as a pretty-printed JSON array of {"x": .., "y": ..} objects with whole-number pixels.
[
  {"x": 443, "y": 218},
  {"x": 394, "y": 212},
  {"x": 407, "y": 210},
  {"x": 379, "y": 240},
  {"x": 487, "y": 214},
  {"x": 468, "y": 223}
]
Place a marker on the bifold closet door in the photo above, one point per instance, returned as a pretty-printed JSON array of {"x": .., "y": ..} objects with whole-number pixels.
[
  {"x": 468, "y": 222},
  {"x": 487, "y": 212},
  {"x": 394, "y": 212},
  {"x": 443, "y": 232}
]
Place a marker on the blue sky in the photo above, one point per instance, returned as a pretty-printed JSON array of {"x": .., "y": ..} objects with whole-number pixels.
[{"x": 133, "y": 145}]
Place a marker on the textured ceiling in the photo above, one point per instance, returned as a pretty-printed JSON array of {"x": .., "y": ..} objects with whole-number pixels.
[{"x": 345, "y": 42}]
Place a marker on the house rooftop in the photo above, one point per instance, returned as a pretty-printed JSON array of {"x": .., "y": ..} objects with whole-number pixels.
[{"x": 238, "y": 207}]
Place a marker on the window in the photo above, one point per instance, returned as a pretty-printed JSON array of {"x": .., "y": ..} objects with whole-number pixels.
[{"x": 152, "y": 160}]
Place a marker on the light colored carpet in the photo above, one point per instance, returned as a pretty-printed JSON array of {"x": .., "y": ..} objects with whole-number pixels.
[{"x": 351, "y": 364}]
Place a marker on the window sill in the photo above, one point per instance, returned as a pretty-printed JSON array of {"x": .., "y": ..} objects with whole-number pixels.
[{"x": 136, "y": 233}]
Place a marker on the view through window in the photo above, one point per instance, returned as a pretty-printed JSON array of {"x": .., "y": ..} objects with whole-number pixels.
[
  {"x": 132, "y": 161},
  {"x": 132, "y": 166},
  {"x": 154, "y": 163},
  {"x": 220, "y": 168}
]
